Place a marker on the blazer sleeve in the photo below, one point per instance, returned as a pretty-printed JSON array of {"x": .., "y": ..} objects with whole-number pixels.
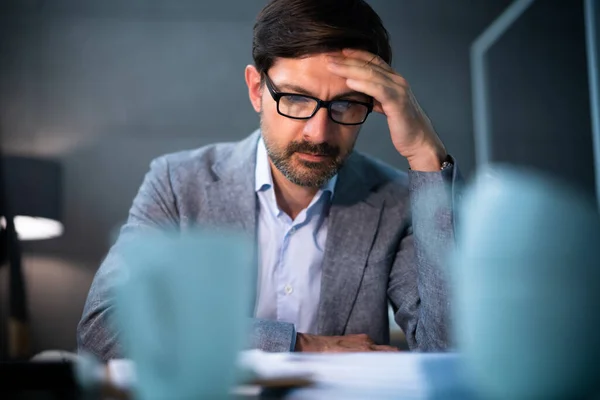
[
  {"x": 418, "y": 286},
  {"x": 154, "y": 208}
]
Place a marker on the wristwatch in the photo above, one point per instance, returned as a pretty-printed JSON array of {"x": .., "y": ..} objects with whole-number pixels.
[{"x": 447, "y": 163}]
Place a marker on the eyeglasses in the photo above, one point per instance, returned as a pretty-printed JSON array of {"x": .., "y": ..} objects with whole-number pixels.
[{"x": 299, "y": 106}]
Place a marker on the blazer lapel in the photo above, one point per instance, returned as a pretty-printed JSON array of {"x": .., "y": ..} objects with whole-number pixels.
[
  {"x": 231, "y": 200},
  {"x": 353, "y": 221}
]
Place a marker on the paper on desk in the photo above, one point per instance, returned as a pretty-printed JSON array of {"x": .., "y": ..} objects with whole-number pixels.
[
  {"x": 251, "y": 363},
  {"x": 410, "y": 374},
  {"x": 348, "y": 370},
  {"x": 366, "y": 375},
  {"x": 121, "y": 373}
]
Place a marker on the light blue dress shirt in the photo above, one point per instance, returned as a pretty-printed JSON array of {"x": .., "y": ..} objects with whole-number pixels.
[{"x": 290, "y": 252}]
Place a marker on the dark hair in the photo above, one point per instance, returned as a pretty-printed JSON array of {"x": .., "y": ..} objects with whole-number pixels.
[{"x": 298, "y": 28}]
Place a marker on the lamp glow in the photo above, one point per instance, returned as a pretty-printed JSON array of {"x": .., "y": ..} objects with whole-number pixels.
[{"x": 35, "y": 228}]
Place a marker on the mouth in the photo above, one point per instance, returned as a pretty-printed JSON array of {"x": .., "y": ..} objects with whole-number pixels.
[{"x": 313, "y": 157}]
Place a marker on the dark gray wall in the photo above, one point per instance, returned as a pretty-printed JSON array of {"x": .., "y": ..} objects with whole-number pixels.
[
  {"x": 539, "y": 93},
  {"x": 105, "y": 86}
]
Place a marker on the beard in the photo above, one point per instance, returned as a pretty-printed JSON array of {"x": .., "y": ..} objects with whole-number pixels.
[{"x": 313, "y": 174}]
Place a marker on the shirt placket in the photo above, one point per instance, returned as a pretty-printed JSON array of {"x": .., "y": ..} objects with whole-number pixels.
[{"x": 287, "y": 292}]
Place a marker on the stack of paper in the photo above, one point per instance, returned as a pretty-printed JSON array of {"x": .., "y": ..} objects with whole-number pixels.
[
  {"x": 346, "y": 375},
  {"x": 365, "y": 375}
]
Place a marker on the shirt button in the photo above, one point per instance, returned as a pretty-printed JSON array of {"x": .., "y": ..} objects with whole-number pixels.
[
  {"x": 292, "y": 229},
  {"x": 288, "y": 289}
]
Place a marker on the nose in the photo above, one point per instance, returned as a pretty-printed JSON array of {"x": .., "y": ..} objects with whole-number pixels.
[{"x": 317, "y": 128}]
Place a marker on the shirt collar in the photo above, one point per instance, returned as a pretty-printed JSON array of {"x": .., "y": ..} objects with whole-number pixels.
[{"x": 264, "y": 179}]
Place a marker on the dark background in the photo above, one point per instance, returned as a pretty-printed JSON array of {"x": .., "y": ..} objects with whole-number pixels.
[{"x": 105, "y": 86}]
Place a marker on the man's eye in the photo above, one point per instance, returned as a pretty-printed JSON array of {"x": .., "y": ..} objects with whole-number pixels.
[
  {"x": 341, "y": 106},
  {"x": 297, "y": 99}
]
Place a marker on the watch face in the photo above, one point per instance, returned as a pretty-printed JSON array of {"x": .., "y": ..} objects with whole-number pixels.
[{"x": 446, "y": 165}]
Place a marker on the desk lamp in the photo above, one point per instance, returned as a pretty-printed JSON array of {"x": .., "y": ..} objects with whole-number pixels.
[{"x": 30, "y": 209}]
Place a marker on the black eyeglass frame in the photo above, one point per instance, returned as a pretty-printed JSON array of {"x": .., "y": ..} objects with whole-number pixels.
[{"x": 276, "y": 95}]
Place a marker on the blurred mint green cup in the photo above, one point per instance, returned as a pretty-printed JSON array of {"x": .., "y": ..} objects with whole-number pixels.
[
  {"x": 526, "y": 287},
  {"x": 182, "y": 310}
]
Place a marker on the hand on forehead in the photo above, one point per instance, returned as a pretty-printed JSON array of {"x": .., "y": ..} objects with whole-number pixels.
[{"x": 309, "y": 74}]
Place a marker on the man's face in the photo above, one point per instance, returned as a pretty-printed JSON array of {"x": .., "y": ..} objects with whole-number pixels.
[{"x": 307, "y": 152}]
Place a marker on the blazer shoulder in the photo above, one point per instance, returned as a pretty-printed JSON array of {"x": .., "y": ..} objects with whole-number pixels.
[{"x": 196, "y": 163}]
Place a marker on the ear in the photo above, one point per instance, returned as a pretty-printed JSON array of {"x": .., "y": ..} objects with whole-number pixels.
[{"x": 254, "y": 86}]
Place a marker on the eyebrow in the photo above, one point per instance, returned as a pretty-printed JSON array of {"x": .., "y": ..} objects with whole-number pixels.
[{"x": 285, "y": 87}]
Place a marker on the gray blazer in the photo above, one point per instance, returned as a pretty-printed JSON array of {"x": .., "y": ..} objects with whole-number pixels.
[{"x": 387, "y": 239}]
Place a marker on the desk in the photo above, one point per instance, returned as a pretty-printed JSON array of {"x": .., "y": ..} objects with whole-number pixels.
[
  {"x": 369, "y": 376},
  {"x": 382, "y": 376}
]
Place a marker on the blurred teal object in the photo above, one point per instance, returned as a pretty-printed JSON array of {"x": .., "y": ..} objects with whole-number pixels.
[
  {"x": 526, "y": 279},
  {"x": 182, "y": 311}
]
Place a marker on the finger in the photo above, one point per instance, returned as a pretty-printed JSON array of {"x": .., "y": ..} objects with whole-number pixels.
[
  {"x": 381, "y": 347},
  {"x": 355, "y": 71},
  {"x": 359, "y": 62},
  {"x": 350, "y": 342},
  {"x": 346, "y": 347},
  {"x": 379, "y": 92},
  {"x": 366, "y": 57},
  {"x": 371, "y": 68},
  {"x": 363, "y": 338}
]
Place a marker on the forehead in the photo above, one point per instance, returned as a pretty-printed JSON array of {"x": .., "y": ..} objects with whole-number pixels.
[{"x": 310, "y": 72}]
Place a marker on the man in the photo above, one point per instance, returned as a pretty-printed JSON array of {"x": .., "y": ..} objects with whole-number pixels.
[{"x": 339, "y": 234}]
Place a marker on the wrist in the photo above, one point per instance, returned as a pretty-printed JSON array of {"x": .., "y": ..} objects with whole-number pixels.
[
  {"x": 300, "y": 341},
  {"x": 428, "y": 159}
]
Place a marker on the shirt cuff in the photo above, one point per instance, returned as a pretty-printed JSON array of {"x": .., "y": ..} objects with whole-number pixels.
[{"x": 294, "y": 335}]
